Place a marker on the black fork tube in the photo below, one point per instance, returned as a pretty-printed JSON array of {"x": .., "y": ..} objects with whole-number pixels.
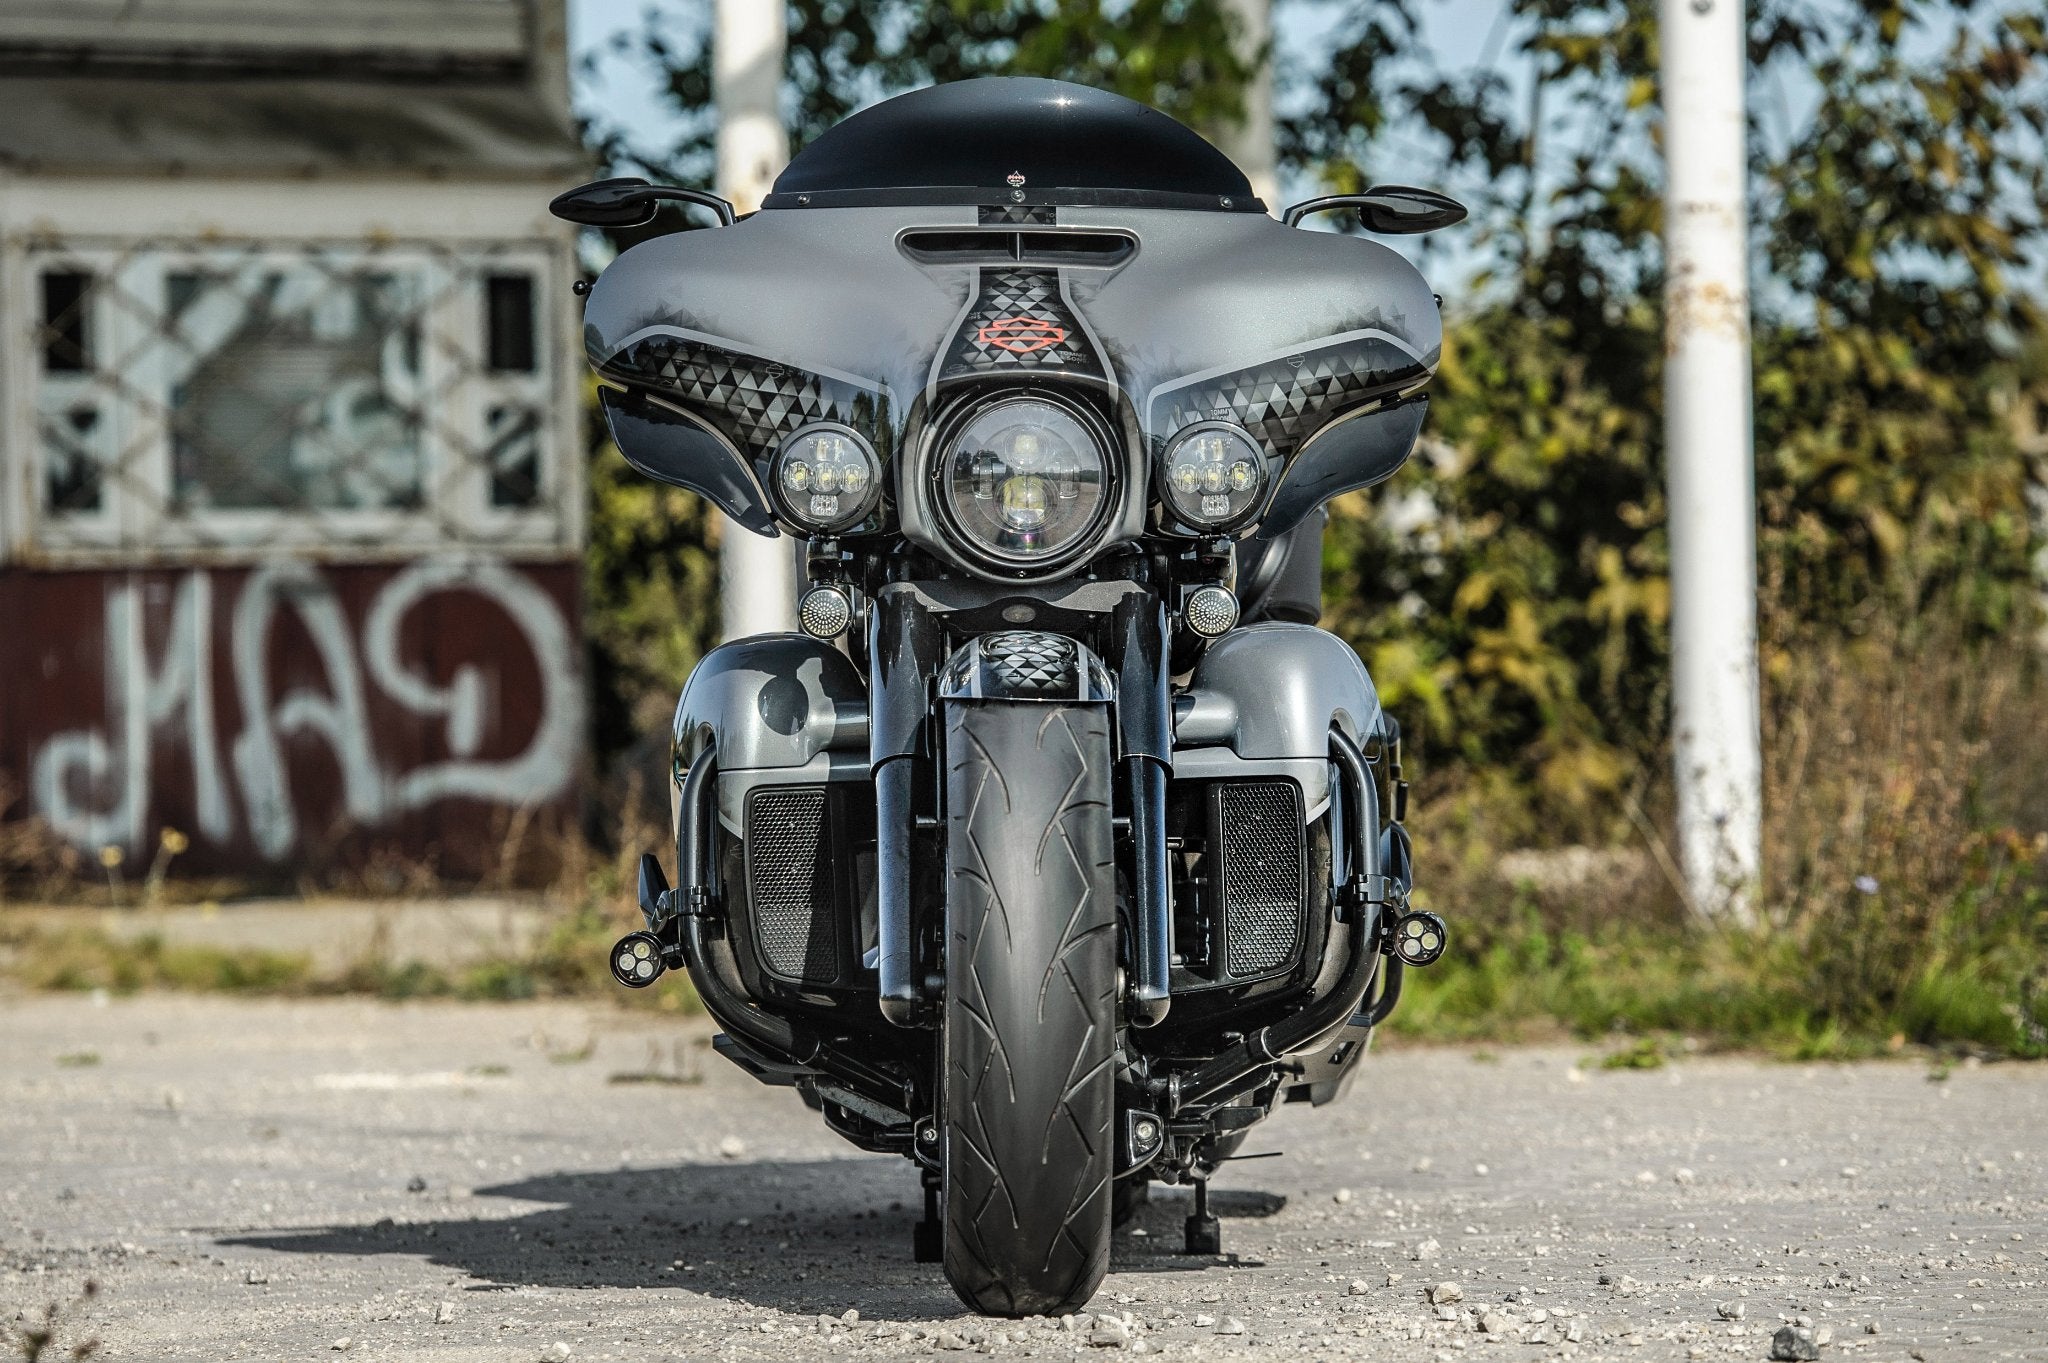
[
  {"x": 906, "y": 647},
  {"x": 1144, "y": 721}
]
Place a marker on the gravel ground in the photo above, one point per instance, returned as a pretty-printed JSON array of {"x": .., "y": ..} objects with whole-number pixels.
[{"x": 281, "y": 1180}]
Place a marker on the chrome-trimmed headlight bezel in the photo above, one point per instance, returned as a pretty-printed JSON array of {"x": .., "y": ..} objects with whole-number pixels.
[
  {"x": 864, "y": 505},
  {"x": 978, "y": 553},
  {"x": 1261, "y": 491}
]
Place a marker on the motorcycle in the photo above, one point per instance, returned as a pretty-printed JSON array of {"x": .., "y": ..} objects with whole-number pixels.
[{"x": 1060, "y": 846}]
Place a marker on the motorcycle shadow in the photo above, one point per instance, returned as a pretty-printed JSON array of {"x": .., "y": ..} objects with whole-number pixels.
[{"x": 802, "y": 1236}]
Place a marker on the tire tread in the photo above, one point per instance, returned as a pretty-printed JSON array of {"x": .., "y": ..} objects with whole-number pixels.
[{"x": 1030, "y": 1009}]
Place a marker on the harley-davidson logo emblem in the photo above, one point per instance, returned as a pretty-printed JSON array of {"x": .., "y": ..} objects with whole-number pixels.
[
  {"x": 1021, "y": 335},
  {"x": 1016, "y": 179}
]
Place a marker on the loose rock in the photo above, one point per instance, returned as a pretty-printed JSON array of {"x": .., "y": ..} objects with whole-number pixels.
[
  {"x": 1359, "y": 1287},
  {"x": 1231, "y": 1326},
  {"x": 1109, "y": 1335},
  {"x": 732, "y": 1147},
  {"x": 557, "y": 1352},
  {"x": 1427, "y": 1250},
  {"x": 1443, "y": 1294},
  {"x": 1732, "y": 1310},
  {"x": 444, "y": 1313},
  {"x": 1794, "y": 1344}
]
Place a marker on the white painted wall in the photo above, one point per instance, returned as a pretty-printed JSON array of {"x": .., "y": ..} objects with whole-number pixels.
[{"x": 107, "y": 218}]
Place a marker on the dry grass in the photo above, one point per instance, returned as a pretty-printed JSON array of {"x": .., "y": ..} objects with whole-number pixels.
[{"x": 1906, "y": 841}]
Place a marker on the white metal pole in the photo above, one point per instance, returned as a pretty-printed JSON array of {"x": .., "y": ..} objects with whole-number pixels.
[
  {"x": 756, "y": 576},
  {"x": 1717, "y": 746},
  {"x": 1251, "y": 143}
]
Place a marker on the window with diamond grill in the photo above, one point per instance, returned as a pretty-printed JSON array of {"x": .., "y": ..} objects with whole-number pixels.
[{"x": 295, "y": 396}]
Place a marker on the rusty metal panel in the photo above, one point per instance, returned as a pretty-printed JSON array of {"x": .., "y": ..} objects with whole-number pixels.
[{"x": 293, "y": 717}]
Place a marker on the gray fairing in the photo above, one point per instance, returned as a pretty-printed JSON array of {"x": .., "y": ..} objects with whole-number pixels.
[
  {"x": 796, "y": 315},
  {"x": 774, "y": 707},
  {"x": 1263, "y": 700}
]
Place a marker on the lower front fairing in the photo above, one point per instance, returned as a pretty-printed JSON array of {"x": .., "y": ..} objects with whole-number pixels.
[
  {"x": 726, "y": 342},
  {"x": 1286, "y": 869}
]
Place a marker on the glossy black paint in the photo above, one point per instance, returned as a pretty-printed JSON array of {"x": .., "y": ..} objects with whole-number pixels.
[
  {"x": 1352, "y": 454},
  {"x": 670, "y": 447},
  {"x": 631, "y": 202},
  {"x": 1391, "y": 210},
  {"x": 906, "y": 647},
  {"x": 1012, "y": 139}
]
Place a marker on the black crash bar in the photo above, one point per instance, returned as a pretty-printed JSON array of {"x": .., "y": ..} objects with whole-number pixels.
[
  {"x": 715, "y": 974},
  {"x": 1365, "y": 897}
]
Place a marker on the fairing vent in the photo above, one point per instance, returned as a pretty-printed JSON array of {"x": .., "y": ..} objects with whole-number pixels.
[
  {"x": 1260, "y": 846},
  {"x": 1050, "y": 249},
  {"x": 789, "y": 882}
]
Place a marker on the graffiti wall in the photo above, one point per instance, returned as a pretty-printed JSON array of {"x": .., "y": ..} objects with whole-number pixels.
[{"x": 291, "y": 715}]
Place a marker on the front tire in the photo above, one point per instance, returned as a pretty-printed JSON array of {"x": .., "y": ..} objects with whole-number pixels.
[{"x": 1030, "y": 1014}]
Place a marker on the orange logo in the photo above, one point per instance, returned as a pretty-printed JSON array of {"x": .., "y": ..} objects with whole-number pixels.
[{"x": 1021, "y": 335}]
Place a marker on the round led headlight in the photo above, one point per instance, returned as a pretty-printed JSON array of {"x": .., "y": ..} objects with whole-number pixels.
[
  {"x": 1023, "y": 481},
  {"x": 1213, "y": 476},
  {"x": 827, "y": 477}
]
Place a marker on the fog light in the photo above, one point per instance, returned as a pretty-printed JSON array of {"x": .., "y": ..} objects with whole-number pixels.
[
  {"x": 636, "y": 960},
  {"x": 1144, "y": 1138},
  {"x": 1419, "y": 938},
  {"x": 1210, "y": 611},
  {"x": 825, "y": 612}
]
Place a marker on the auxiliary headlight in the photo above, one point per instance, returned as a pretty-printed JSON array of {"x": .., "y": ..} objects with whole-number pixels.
[
  {"x": 1213, "y": 475},
  {"x": 1023, "y": 482},
  {"x": 827, "y": 478}
]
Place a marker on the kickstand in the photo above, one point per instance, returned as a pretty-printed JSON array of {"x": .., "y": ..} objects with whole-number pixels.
[
  {"x": 1204, "y": 1232},
  {"x": 928, "y": 1241}
]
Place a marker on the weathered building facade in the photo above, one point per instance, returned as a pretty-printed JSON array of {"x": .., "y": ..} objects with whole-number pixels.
[{"x": 290, "y": 469}]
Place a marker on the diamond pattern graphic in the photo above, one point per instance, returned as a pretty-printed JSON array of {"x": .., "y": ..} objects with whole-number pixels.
[
  {"x": 1016, "y": 215},
  {"x": 1284, "y": 401},
  {"x": 1006, "y": 295},
  {"x": 758, "y": 402},
  {"x": 1032, "y": 664}
]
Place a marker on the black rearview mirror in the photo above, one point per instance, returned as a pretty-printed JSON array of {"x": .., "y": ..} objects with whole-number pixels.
[
  {"x": 1390, "y": 210},
  {"x": 630, "y": 202}
]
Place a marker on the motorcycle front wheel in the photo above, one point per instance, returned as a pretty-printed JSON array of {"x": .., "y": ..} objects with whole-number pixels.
[{"x": 1030, "y": 1011}]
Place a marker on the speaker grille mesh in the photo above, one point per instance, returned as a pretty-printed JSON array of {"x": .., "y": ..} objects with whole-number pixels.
[
  {"x": 789, "y": 882},
  {"x": 1262, "y": 874}
]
